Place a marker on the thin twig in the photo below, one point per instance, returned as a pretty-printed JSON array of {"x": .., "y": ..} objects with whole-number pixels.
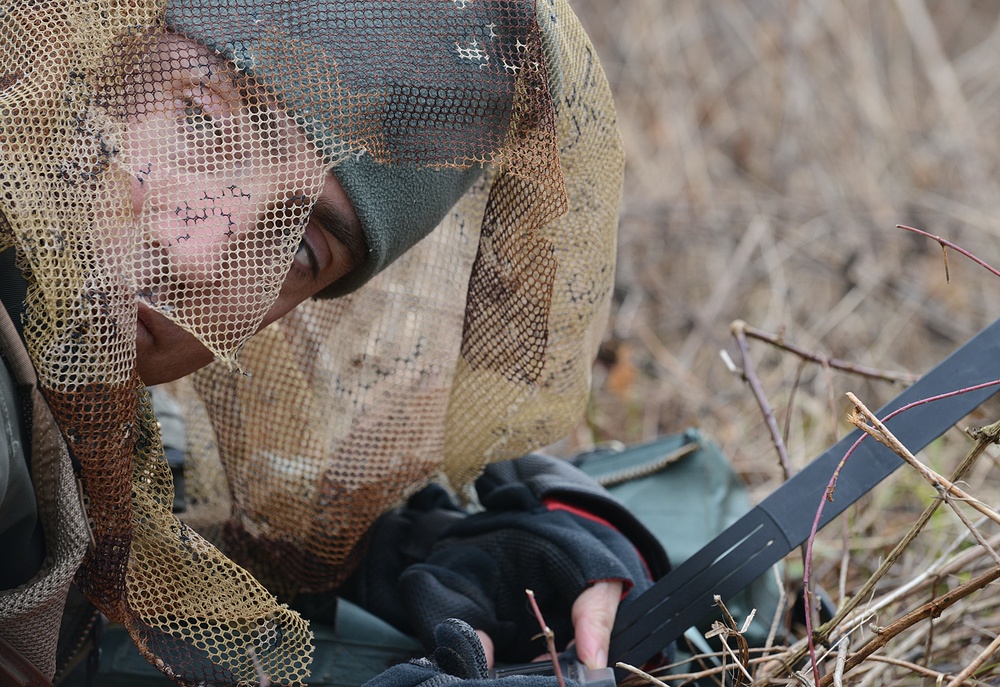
[
  {"x": 550, "y": 637},
  {"x": 708, "y": 672},
  {"x": 978, "y": 661},
  {"x": 831, "y": 486},
  {"x": 928, "y": 610},
  {"x": 842, "y": 648},
  {"x": 641, "y": 673},
  {"x": 969, "y": 525},
  {"x": 736, "y": 659},
  {"x": 739, "y": 329},
  {"x": 834, "y": 363},
  {"x": 776, "y": 620},
  {"x": 878, "y": 431},
  {"x": 717, "y": 600},
  {"x": 790, "y": 406},
  {"x": 913, "y": 667},
  {"x": 919, "y": 669},
  {"x": 845, "y": 564},
  {"x": 731, "y": 629},
  {"x": 940, "y": 484},
  {"x": 984, "y": 437},
  {"x": 945, "y": 243},
  {"x": 931, "y": 626},
  {"x": 849, "y": 619}
]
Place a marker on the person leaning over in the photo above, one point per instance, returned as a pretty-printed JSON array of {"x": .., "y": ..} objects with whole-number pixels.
[{"x": 413, "y": 208}]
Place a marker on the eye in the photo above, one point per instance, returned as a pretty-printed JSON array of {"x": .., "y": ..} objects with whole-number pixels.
[
  {"x": 209, "y": 117},
  {"x": 200, "y": 128},
  {"x": 195, "y": 117},
  {"x": 305, "y": 258}
]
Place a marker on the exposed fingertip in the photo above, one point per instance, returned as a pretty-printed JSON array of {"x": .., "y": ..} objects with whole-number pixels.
[
  {"x": 589, "y": 651},
  {"x": 487, "y": 643}
]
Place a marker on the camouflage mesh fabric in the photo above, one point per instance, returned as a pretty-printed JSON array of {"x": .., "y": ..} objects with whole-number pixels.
[
  {"x": 30, "y": 614},
  {"x": 165, "y": 155}
]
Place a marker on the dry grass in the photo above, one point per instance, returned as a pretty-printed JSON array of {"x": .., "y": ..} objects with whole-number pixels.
[{"x": 772, "y": 148}]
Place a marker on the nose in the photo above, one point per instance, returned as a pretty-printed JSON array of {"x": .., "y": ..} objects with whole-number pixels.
[{"x": 151, "y": 269}]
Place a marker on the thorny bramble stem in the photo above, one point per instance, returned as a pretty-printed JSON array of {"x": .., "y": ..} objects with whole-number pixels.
[{"x": 945, "y": 245}]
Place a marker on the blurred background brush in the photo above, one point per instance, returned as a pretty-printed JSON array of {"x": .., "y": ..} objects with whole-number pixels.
[{"x": 773, "y": 147}]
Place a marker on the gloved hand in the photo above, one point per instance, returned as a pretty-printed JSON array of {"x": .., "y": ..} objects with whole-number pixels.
[
  {"x": 477, "y": 567},
  {"x": 457, "y": 659}
]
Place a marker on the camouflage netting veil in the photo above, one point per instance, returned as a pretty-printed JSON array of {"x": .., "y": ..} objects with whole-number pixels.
[{"x": 166, "y": 155}]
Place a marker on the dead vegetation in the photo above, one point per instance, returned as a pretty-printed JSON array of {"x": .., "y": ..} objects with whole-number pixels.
[{"x": 772, "y": 149}]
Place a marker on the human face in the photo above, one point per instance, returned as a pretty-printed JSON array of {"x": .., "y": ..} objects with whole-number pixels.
[{"x": 222, "y": 181}]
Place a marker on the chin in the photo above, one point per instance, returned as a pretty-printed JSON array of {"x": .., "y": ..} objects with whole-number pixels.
[
  {"x": 164, "y": 351},
  {"x": 156, "y": 368}
]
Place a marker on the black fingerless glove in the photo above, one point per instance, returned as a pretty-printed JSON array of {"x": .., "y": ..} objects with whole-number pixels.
[
  {"x": 457, "y": 660},
  {"x": 477, "y": 567}
]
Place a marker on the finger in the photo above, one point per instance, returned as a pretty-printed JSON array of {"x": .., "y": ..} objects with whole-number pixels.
[
  {"x": 487, "y": 643},
  {"x": 593, "y": 617}
]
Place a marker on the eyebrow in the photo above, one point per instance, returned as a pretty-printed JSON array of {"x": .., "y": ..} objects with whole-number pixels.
[{"x": 343, "y": 227}]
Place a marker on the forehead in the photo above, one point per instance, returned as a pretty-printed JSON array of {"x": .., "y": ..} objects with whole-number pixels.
[{"x": 165, "y": 60}]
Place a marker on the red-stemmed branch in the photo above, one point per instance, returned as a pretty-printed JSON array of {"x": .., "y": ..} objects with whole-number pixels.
[{"x": 550, "y": 637}]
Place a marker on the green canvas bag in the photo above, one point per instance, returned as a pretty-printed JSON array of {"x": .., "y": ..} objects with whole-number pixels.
[{"x": 685, "y": 491}]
